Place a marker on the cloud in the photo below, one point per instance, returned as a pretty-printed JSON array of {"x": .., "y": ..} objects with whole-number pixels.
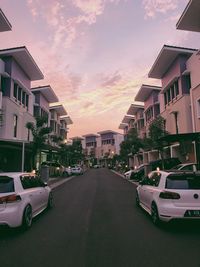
[
  {"x": 158, "y": 6},
  {"x": 112, "y": 80},
  {"x": 67, "y": 28}
]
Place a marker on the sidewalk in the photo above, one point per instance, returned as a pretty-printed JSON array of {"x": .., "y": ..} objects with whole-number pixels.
[
  {"x": 57, "y": 181},
  {"x": 122, "y": 176}
]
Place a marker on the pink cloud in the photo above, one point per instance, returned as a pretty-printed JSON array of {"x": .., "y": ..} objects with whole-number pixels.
[{"x": 158, "y": 6}]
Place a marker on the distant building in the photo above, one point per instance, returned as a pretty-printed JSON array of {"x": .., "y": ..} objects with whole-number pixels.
[{"x": 4, "y": 23}]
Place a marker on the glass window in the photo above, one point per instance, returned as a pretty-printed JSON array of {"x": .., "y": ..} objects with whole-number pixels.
[
  {"x": 172, "y": 92},
  {"x": 15, "y": 90},
  {"x": 3, "y": 85},
  {"x": 19, "y": 97},
  {"x": 15, "y": 120},
  {"x": 176, "y": 88},
  {"x": 31, "y": 181},
  {"x": 155, "y": 179},
  {"x": 23, "y": 98},
  {"x": 165, "y": 98},
  {"x": 27, "y": 100},
  {"x": 183, "y": 181},
  {"x": 168, "y": 95},
  {"x": 6, "y": 184}
]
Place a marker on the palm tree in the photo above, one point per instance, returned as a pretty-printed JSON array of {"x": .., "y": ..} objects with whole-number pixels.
[{"x": 40, "y": 132}]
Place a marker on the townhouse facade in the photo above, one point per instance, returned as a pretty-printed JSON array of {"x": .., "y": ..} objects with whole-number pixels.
[{"x": 101, "y": 147}]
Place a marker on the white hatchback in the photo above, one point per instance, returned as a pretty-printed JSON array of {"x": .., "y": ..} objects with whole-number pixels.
[
  {"x": 22, "y": 197},
  {"x": 170, "y": 195}
]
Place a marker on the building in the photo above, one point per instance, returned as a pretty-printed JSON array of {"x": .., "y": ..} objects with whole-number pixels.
[
  {"x": 189, "y": 20},
  {"x": 175, "y": 103},
  {"x": 17, "y": 70},
  {"x": 65, "y": 121},
  {"x": 90, "y": 148},
  {"x": 108, "y": 145},
  {"x": 4, "y": 22},
  {"x": 138, "y": 112}
]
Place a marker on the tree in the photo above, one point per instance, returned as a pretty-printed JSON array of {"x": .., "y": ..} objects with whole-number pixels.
[
  {"x": 156, "y": 131},
  {"x": 131, "y": 145},
  {"x": 40, "y": 132}
]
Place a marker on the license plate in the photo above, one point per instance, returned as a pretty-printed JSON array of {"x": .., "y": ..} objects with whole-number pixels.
[{"x": 192, "y": 213}]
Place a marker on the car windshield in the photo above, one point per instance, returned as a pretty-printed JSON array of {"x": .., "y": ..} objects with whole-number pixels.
[
  {"x": 6, "y": 184},
  {"x": 183, "y": 181},
  {"x": 177, "y": 167}
]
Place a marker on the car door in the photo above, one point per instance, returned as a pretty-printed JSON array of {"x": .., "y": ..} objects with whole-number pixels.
[
  {"x": 143, "y": 189},
  {"x": 30, "y": 192},
  {"x": 43, "y": 193},
  {"x": 151, "y": 188}
]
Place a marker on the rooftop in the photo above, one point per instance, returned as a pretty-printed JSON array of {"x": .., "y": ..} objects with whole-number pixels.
[
  {"x": 25, "y": 60},
  {"x": 189, "y": 19},
  {"x": 128, "y": 118},
  {"x": 145, "y": 91},
  {"x": 166, "y": 57},
  {"x": 4, "y": 23},
  {"x": 59, "y": 109},
  {"x": 47, "y": 91},
  {"x": 107, "y": 131},
  {"x": 134, "y": 108},
  {"x": 67, "y": 119},
  {"x": 91, "y": 135},
  {"x": 122, "y": 126}
]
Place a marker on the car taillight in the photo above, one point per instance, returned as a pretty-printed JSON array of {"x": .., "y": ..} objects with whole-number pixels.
[
  {"x": 9, "y": 199},
  {"x": 169, "y": 195}
]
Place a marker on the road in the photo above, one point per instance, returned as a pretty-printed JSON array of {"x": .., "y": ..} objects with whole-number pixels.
[{"x": 95, "y": 223}]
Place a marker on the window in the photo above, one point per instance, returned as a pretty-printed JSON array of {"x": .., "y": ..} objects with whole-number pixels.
[
  {"x": 6, "y": 184},
  {"x": 15, "y": 119},
  {"x": 184, "y": 182},
  {"x": 155, "y": 179},
  {"x": 3, "y": 85},
  {"x": 27, "y": 101},
  {"x": 168, "y": 96},
  {"x": 31, "y": 181},
  {"x": 198, "y": 108},
  {"x": 23, "y": 98},
  {"x": 19, "y": 94},
  {"x": 165, "y": 98},
  {"x": 176, "y": 88},
  {"x": 15, "y": 90},
  {"x": 188, "y": 81}
]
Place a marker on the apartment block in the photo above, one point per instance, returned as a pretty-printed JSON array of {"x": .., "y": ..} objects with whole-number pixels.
[{"x": 138, "y": 112}]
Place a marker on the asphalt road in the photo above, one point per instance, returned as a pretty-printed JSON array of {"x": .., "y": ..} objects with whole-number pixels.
[{"x": 95, "y": 224}]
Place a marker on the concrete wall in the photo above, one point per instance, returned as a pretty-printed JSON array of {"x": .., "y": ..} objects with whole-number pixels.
[{"x": 11, "y": 108}]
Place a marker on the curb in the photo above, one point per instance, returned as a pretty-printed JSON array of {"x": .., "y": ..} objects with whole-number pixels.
[
  {"x": 58, "y": 183},
  {"x": 122, "y": 176}
]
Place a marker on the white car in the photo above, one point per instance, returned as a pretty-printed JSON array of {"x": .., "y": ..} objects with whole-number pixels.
[
  {"x": 186, "y": 167},
  {"x": 127, "y": 174},
  {"x": 77, "y": 170},
  {"x": 22, "y": 197},
  {"x": 170, "y": 195}
]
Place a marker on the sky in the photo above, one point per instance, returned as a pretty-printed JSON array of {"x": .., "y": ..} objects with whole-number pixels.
[{"x": 95, "y": 54}]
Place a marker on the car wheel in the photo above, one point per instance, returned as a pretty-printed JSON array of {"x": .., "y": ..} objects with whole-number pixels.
[
  {"x": 137, "y": 200},
  {"x": 154, "y": 214},
  {"x": 27, "y": 217},
  {"x": 50, "y": 201}
]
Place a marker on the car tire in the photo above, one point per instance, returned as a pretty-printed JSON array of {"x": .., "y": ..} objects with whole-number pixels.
[
  {"x": 27, "y": 217},
  {"x": 137, "y": 200},
  {"x": 154, "y": 214},
  {"x": 50, "y": 201}
]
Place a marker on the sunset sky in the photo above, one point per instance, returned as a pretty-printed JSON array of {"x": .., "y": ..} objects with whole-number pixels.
[{"x": 95, "y": 54}]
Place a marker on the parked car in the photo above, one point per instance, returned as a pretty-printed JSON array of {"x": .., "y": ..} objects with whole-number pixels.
[
  {"x": 165, "y": 164},
  {"x": 97, "y": 166},
  {"x": 168, "y": 195},
  {"x": 22, "y": 197},
  {"x": 186, "y": 167},
  {"x": 77, "y": 170},
  {"x": 127, "y": 174},
  {"x": 67, "y": 171},
  {"x": 138, "y": 173}
]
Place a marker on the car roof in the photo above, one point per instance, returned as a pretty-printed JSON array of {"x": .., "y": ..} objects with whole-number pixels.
[
  {"x": 15, "y": 174},
  {"x": 177, "y": 172}
]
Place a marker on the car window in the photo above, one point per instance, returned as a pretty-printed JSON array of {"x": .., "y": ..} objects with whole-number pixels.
[
  {"x": 183, "y": 181},
  {"x": 31, "y": 181},
  {"x": 188, "y": 168},
  {"x": 154, "y": 179},
  {"x": 6, "y": 184}
]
